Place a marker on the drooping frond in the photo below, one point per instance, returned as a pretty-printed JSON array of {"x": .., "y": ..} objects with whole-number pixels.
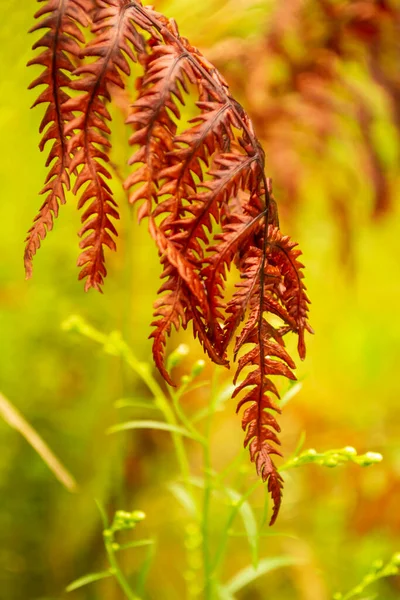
[
  {"x": 200, "y": 184},
  {"x": 167, "y": 69},
  {"x": 283, "y": 254},
  {"x": 62, "y": 20},
  {"x": 259, "y": 295},
  {"x": 115, "y": 40}
]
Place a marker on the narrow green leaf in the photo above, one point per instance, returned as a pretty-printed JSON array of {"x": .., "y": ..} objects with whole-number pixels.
[
  {"x": 183, "y": 497},
  {"x": 86, "y": 579},
  {"x": 136, "y": 403},
  {"x": 300, "y": 444},
  {"x": 249, "y": 574},
  {"x": 102, "y": 512},
  {"x": 249, "y": 522},
  {"x": 265, "y": 534},
  {"x": 291, "y": 393},
  {"x": 138, "y": 544},
  {"x": 205, "y": 412},
  {"x": 219, "y": 405},
  {"x": 144, "y": 570},
  {"x": 264, "y": 518},
  {"x": 194, "y": 386},
  {"x": 159, "y": 425},
  {"x": 224, "y": 594}
]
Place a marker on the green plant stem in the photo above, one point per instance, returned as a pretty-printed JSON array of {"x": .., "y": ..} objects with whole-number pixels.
[
  {"x": 205, "y": 525},
  {"x": 161, "y": 401},
  {"x": 219, "y": 556},
  {"x": 232, "y": 466},
  {"x": 183, "y": 417},
  {"x": 118, "y": 347},
  {"x": 116, "y": 570}
]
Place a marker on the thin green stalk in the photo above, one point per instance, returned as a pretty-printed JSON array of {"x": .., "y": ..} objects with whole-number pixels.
[
  {"x": 206, "y": 521},
  {"x": 232, "y": 466},
  {"x": 114, "y": 345},
  {"x": 161, "y": 401},
  {"x": 219, "y": 556},
  {"x": 208, "y": 485},
  {"x": 116, "y": 570},
  {"x": 184, "y": 418}
]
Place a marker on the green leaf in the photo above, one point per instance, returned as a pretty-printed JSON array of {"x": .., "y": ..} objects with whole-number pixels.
[
  {"x": 159, "y": 425},
  {"x": 291, "y": 393},
  {"x": 102, "y": 512},
  {"x": 300, "y": 444},
  {"x": 249, "y": 522},
  {"x": 265, "y": 513},
  {"x": 137, "y": 544},
  {"x": 144, "y": 570},
  {"x": 86, "y": 579},
  {"x": 249, "y": 574},
  {"x": 223, "y": 395},
  {"x": 193, "y": 387},
  {"x": 183, "y": 497},
  {"x": 265, "y": 534},
  {"x": 136, "y": 403}
]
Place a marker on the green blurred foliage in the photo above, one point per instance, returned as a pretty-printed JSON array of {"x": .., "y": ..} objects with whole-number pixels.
[{"x": 338, "y": 521}]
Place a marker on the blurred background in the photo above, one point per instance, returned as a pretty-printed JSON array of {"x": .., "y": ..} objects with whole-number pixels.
[{"x": 321, "y": 81}]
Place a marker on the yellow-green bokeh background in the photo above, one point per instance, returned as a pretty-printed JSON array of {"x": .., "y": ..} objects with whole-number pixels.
[{"x": 340, "y": 520}]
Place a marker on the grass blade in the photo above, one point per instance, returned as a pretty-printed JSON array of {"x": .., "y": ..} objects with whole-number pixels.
[
  {"x": 249, "y": 574},
  {"x": 141, "y": 403},
  {"x": 249, "y": 522},
  {"x": 138, "y": 544},
  {"x": 293, "y": 390},
  {"x": 14, "y": 418},
  {"x": 183, "y": 497},
  {"x": 159, "y": 425},
  {"x": 144, "y": 570},
  {"x": 86, "y": 579}
]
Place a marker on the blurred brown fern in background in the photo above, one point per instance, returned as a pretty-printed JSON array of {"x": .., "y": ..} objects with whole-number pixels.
[{"x": 323, "y": 74}]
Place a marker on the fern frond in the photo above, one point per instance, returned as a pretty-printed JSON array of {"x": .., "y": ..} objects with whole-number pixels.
[
  {"x": 61, "y": 43},
  {"x": 267, "y": 358},
  {"x": 112, "y": 45},
  {"x": 170, "y": 310},
  {"x": 283, "y": 254},
  {"x": 202, "y": 188},
  {"x": 167, "y": 70}
]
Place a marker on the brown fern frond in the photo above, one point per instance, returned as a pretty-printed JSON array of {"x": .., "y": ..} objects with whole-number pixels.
[
  {"x": 61, "y": 41},
  {"x": 170, "y": 310},
  {"x": 166, "y": 71},
  {"x": 184, "y": 301},
  {"x": 283, "y": 254},
  {"x": 261, "y": 292},
  {"x": 112, "y": 45},
  {"x": 201, "y": 185}
]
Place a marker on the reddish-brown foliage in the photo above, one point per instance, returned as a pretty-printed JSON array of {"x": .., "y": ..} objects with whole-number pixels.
[
  {"x": 203, "y": 191},
  {"x": 323, "y": 72}
]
